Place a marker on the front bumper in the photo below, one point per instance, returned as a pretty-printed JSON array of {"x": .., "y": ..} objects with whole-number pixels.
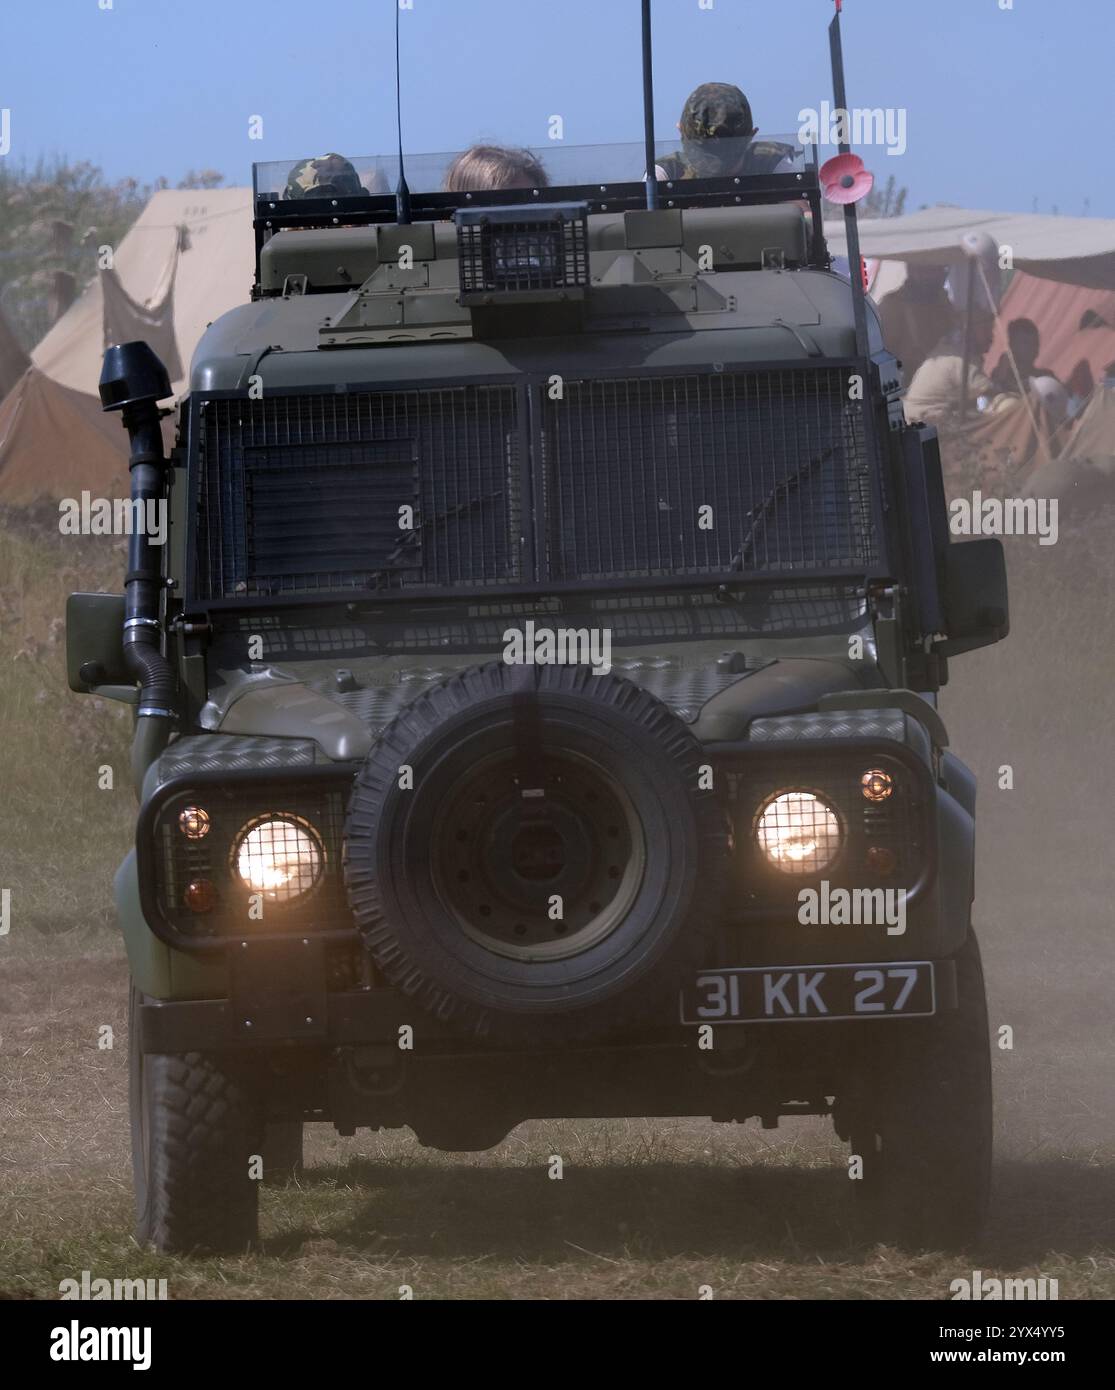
[{"x": 286, "y": 1006}]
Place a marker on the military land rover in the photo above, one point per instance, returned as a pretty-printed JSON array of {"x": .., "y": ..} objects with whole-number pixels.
[{"x": 536, "y": 702}]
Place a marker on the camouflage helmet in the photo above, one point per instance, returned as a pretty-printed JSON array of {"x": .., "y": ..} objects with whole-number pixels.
[
  {"x": 327, "y": 176},
  {"x": 716, "y": 127},
  {"x": 716, "y": 110}
]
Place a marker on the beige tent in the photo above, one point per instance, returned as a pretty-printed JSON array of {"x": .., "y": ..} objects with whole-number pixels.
[
  {"x": 56, "y": 443},
  {"x": 187, "y": 259},
  {"x": 212, "y": 275},
  {"x": 1076, "y": 250}
]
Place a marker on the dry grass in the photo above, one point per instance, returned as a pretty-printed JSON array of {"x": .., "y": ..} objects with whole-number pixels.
[
  {"x": 60, "y": 835},
  {"x": 645, "y": 1210}
]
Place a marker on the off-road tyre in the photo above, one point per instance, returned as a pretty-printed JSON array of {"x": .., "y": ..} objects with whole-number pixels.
[
  {"x": 926, "y": 1137},
  {"x": 192, "y": 1127}
]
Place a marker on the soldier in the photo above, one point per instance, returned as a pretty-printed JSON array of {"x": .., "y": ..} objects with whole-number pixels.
[
  {"x": 718, "y": 139},
  {"x": 494, "y": 166},
  {"x": 327, "y": 176}
]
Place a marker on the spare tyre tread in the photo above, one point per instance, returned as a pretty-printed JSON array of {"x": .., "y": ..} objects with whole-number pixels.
[{"x": 467, "y": 692}]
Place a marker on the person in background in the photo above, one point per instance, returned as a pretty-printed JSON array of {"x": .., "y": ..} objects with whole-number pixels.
[
  {"x": 934, "y": 394},
  {"x": 327, "y": 176},
  {"x": 1024, "y": 342},
  {"x": 718, "y": 139},
  {"x": 916, "y": 316},
  {"x": 494, "y": 166}
]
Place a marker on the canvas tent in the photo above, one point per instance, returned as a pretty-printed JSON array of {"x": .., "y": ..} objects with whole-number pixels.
[
  {"x": 1072, "y": 250},
  {"x": 55, "y": 443},
  {"x": 1076, "y": 324},
  {"x": 1064, "y": 282},
  {"x": 187, "y": 259},
  {"x": 1065, "y": 276},
  {"x": 211, "y": 275}
]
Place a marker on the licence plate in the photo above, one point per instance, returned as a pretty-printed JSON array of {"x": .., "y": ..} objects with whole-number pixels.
[{"x": 775, "y": 993}]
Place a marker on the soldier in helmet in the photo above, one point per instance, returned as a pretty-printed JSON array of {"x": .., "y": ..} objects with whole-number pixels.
[
  {"x": 327, "y": 176},
  {"x": 718, "y": 139}
]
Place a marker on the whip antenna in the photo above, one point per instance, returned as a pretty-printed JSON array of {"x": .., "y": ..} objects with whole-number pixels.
[
  {"x": 402, "y": 192},
  {"x": 648, "y": 111}
]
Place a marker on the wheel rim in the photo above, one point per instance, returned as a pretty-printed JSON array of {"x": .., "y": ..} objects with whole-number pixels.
[{"x": 505, "y": 844}]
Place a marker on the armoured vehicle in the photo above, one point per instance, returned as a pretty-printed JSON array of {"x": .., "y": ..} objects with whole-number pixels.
[{"x": 536, "y": 702}]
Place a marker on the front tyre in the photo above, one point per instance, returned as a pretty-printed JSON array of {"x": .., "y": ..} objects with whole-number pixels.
[
  {"x": 191, "y": 1129},
  {"x": 925, "y": 1140}
]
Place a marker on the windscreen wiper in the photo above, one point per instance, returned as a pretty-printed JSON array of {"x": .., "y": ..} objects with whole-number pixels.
[
  {"x": 401, "y": 557},
  {"x": 758, "y": 516}
]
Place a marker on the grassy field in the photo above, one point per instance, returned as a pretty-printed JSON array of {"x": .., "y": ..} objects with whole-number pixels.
[
  {"x": 645, "y": 1209},
  {"x": 59, "y": 828}
]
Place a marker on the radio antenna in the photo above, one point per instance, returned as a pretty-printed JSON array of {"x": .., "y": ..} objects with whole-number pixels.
[
  {"x": 648, "y": 111},
  {"x": 851, "y": 221},
  {"x": 402, "y": 192}
]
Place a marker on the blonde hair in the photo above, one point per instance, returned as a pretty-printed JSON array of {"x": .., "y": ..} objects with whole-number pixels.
[{"x": 494, "y": 166}]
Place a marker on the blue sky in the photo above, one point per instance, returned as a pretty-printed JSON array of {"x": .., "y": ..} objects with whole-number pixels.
[{"x": 1003, "y": 105}]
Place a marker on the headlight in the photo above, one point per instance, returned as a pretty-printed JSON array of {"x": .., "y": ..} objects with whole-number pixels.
[
  {"x": 799, "y": 833},
  {"x": 281, "y": 857}
]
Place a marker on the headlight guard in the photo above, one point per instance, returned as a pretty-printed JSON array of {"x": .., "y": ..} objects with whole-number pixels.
[{"x": 267, "y": 865}]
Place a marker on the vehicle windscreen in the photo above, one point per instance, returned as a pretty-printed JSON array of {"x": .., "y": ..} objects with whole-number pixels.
[{"x": 560, "y": 166}]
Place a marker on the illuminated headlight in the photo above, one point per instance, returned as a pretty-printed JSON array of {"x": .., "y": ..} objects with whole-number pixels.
[
  {"x": 799, "y": 833},
  {"x": 281, "y": 857}
]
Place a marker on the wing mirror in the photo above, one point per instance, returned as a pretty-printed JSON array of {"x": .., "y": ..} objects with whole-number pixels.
[{"x": 974, "y": 596}]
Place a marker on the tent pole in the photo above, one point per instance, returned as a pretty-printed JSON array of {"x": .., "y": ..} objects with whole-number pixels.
[{"x": 968, "y": 311}]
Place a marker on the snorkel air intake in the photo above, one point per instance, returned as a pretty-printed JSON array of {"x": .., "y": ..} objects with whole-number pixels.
[{"x": 133, "y": 381}]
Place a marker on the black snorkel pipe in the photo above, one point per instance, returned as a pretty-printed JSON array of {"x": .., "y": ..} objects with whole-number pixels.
[{"x": 133, "y": 381}]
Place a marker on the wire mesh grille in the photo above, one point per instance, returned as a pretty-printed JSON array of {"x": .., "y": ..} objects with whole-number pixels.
[
  {"x": 813, "y": 816},
  {"x": 259, "y": 859},
  {"x": 369, "y": 490},
  {"x": 761, "y": 472},
  {"x": 751, "y": 472}
]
